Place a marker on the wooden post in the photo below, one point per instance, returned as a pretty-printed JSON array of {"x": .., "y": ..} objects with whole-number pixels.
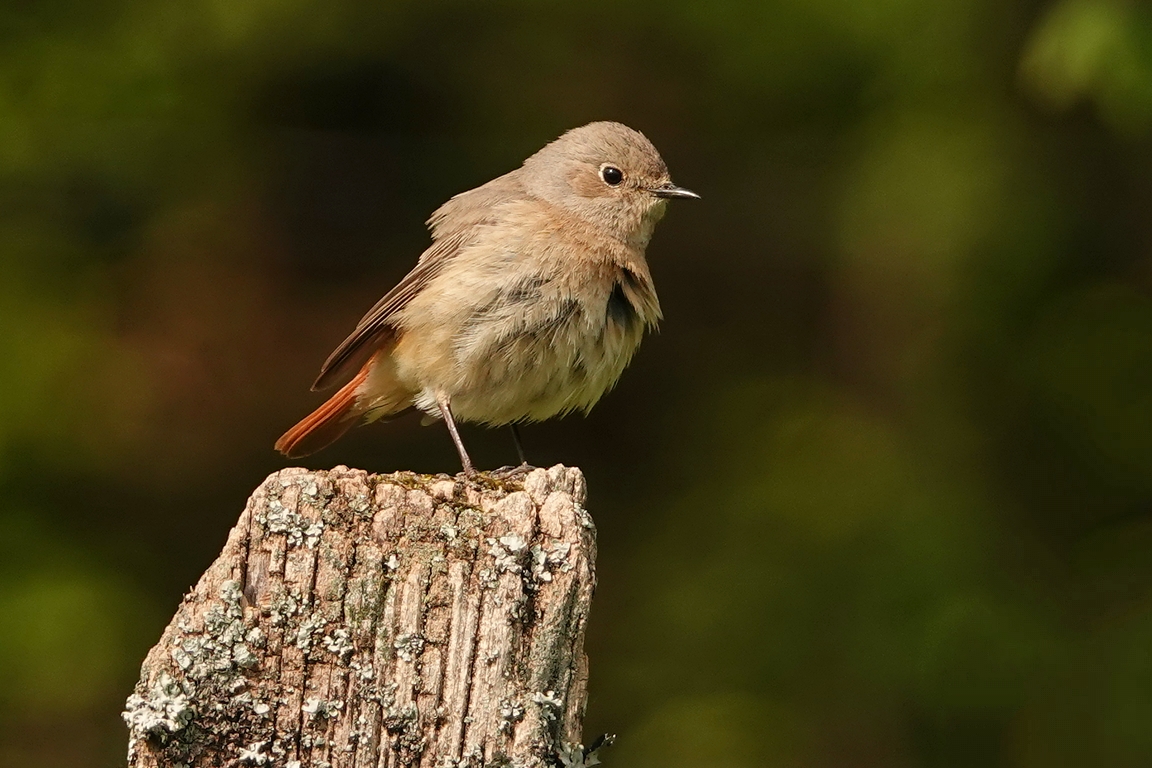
[{"x": 381, "y": 620}]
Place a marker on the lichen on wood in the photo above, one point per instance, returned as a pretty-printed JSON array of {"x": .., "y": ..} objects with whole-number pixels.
[{"x": 381, "y": 620}]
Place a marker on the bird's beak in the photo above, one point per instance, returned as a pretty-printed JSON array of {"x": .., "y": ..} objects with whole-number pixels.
[{"x": 670, "y": 190}]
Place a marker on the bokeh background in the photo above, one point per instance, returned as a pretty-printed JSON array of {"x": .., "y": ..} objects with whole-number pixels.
[{"x": 878, "y": 494}]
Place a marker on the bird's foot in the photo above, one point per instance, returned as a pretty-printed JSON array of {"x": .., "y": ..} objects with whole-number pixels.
[{"x": 512, "y": 473}]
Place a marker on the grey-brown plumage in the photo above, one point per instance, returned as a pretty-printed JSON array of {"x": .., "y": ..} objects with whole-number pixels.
[{"x": 529, "y": 304}]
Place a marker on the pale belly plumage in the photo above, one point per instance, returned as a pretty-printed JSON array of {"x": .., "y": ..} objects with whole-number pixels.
[
  {"x": 525, "y": 352},
  {"x": 518, "y": 346}
]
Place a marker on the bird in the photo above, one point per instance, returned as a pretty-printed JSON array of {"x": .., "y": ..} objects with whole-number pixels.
[{"x": 529, "y": 303}]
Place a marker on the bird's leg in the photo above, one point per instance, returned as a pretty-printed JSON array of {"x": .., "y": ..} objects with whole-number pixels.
[
  {"x": 446, "y": 412},
  {"x": 519, "y": 445},
  {"x": 511, "y": 473}
]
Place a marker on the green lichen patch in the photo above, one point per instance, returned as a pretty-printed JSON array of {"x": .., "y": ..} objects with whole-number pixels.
[{"x": 195, "y": 708}]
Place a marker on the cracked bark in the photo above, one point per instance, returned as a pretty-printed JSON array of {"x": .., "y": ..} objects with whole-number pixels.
[{"x": 380, "y": 620}]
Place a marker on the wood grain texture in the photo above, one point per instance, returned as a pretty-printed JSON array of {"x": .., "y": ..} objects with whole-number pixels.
[{"x": 381, "y": 620}]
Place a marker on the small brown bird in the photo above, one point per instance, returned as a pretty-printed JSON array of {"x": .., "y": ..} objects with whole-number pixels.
[{"x": 529, "y": 303}]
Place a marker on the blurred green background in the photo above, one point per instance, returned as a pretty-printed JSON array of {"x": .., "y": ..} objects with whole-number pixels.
[{"x": 879, "y": 493}]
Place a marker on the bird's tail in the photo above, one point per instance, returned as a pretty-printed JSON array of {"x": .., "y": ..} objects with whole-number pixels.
[
  {"x": 326, "y": 424},
  {"x": 373, "y": 393}
]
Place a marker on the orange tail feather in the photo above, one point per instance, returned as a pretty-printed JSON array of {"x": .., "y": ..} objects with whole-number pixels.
[{"x": 327, "y": 423}]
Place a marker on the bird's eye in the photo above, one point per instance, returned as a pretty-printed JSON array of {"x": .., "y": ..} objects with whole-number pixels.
[{"x": 611, "y": 175}]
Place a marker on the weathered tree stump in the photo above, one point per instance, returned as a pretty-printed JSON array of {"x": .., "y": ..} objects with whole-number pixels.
[{"x": 381, "y": 620}]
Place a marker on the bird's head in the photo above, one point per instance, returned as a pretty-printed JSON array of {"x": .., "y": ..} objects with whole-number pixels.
[{"x": 607, "y": 174}]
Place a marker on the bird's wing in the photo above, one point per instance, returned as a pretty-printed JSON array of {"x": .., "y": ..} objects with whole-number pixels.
[
  {"x": 374, "y": 329},
  {"x": 454, "y": 225}
]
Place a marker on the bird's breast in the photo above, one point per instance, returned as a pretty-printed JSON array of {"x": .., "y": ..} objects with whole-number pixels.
[{"x": 528, "y": 344}]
